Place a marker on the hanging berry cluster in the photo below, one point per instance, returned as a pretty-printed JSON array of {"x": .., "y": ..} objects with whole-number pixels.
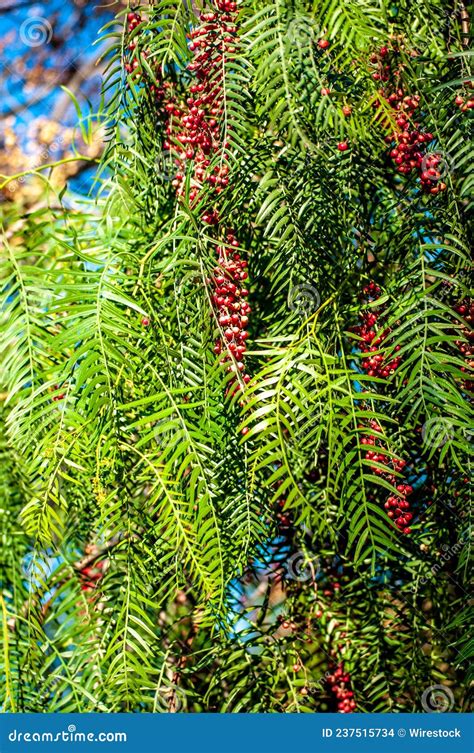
[
  {"x": 133, "y": 65},
  {"x": 372, "y": 338},
  {"x": 194, "y": 138},
  {"x": 230, "y": 300},
  {"x": 407, "y": 141},
  {"x": 465, "y": 308},
  {"x": 339, "y": 682},
  {"x": 464, "y": 104},
  {"x": 194, "y": 126},
  {"x": 91, "y": 574},
  {"x": 397, "y": 505},
  {"x": 60, "y": 395},
  {"x": 376, "y": 455}
]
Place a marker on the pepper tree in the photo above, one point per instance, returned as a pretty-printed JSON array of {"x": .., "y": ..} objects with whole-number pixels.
[{"x": 235, "y": 390}]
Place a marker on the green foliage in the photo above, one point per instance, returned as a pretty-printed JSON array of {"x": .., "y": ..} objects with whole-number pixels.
[{"x": 123, "y": 462}]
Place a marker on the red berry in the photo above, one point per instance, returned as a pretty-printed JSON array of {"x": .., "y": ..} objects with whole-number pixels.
[{"x": 343, "y": 146}]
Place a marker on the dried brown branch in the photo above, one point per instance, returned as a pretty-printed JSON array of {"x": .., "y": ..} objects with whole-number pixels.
[{"x": 465, "y": 25}]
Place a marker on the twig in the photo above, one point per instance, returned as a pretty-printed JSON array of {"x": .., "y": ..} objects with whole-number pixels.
[
  {"x": 465, "y": 25},
  {"x": 98, "y": 552}
]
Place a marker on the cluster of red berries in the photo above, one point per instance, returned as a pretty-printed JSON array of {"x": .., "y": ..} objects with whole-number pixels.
[
  {"x": 232, "y": 309},
  {"x": 432, "y": 173},
  {"x": 61, "y": 395},
  {"x": 466, "y": 309},
  {"x": 193, "y": 140},
  {"x": 90, "y": 575},
  {"x": 372, "y": 338},
  {"x": 197, "y": 140},
  {"x": 133, "y": 65},
  {"x": 134, "y": 20},
  {"x": 463, "y": 104},
  {"x": 397, "y": 505},
  {"x": 407, "y": 141},
  {"x": 379, "y": 457},
  {"x": 398, "y": 508},
  {"x": 193, "y": 137},
  {"x": 339, "y": 683},
  {"x": 197, "y": 133},
  {"x": 380, "y": 60}
]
